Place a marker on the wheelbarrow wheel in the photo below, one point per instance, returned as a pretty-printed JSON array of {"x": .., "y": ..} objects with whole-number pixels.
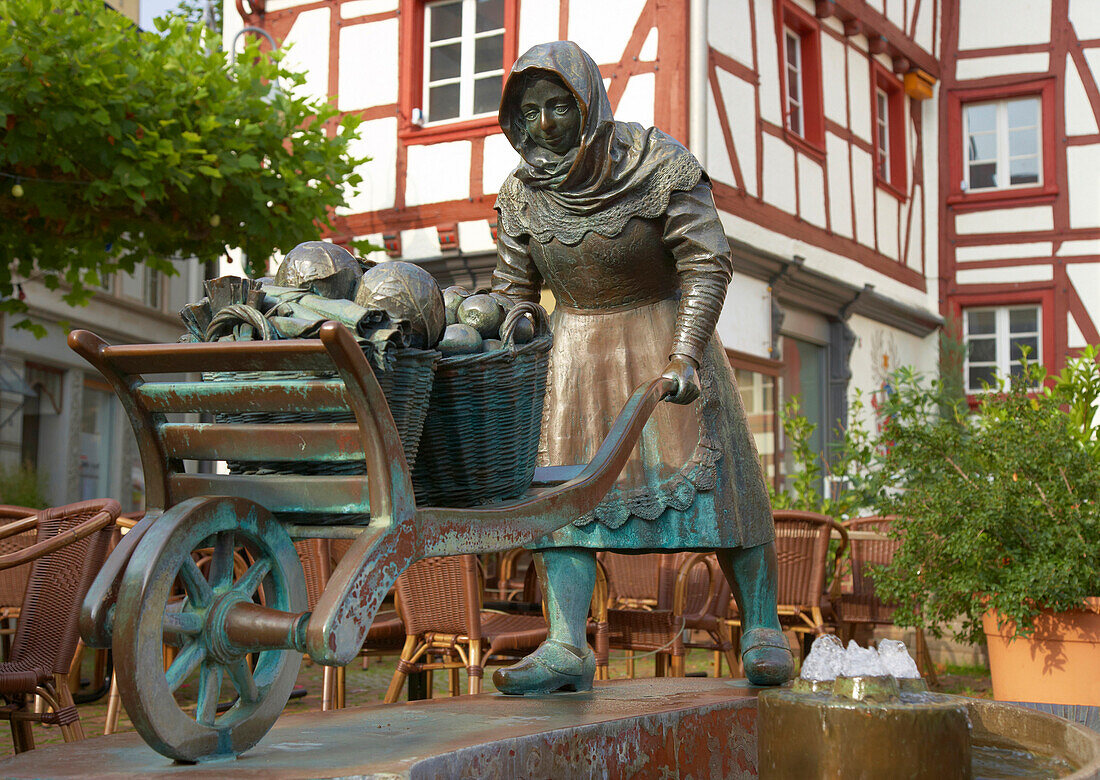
[{"x": 173, "y": 659}]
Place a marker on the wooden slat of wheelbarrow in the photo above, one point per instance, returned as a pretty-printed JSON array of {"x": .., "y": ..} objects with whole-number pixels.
[
  {"x": 279, "y": 493},
  {"x": 290, "y": 442},
  {"x": 245, "y": 396},
  {"x": 290, "y": 355}
]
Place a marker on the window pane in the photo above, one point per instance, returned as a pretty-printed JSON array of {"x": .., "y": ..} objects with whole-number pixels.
[
  {"x": 794, "y": 85},
  {"x": 490, "y": 15},
  {"x": 983, "y": 175},
  {"x": 979, "y": 375},
  {"x": 1023, "y": 170},
  {"x": 487, "y": 94},
  {"x": 443, "y": 102},
  {"x": 1023, "y": 143},
  {"x": 446, "y": 62},
  {"x": 489, "y": 53},
  {"x": 1017, "y": 346},
  {"x": 1023, "y": 320},
  {"x": 1023, "y": 113},
  {"x": 446, "y": 21},
  {"x": 796, "y": 120},
  {"x": 983, "y": 350},
  {"x": 792, "y": 50},
  {"x": 982, "y": 146},
  {"x": 981, "y": 118},
  {"x": 979, "y": 322}
]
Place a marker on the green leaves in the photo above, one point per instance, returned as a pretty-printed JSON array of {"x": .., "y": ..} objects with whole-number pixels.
[{"x": 135, "y": 141}]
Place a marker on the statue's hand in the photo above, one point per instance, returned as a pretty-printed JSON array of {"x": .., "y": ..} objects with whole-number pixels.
[{"x": 685, "y": 372}]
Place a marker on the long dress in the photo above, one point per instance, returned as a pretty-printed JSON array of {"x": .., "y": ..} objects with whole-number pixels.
[{"x": 616, "y": 266}]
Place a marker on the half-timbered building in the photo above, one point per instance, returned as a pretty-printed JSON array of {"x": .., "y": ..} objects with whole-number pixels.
[{"x": 818, "y": 123}]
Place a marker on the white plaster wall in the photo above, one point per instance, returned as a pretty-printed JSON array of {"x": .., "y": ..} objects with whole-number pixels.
[
  {"x": 1074, "y": 337},
  {"x": 1092, "y": 57},
  {"x": 886, "y": 210},
  {"x": 538, "y": 23},
  {"x": 1083, "y": 164},
  {"x": 970, "y": 254},
  {"x": 500, "y": 159},
  {"x": 1086, "y": 21},
  {"x": 1079, "y": 116},
  {"x": 719, "y": 167},
  {"x": 636, "y": 104},
  {"x": 991, "y": 23},
  {"x": 603, "y": 27},
  {"x": 307, "y": 47},
  {"x": 863, "y": 183},
  {"x": 475, "y": 236},
  {"x": 728, "y": 29},
  {"x": 1006, "y": 220},
  {"x": 419, "y": 243},
  {"x": 739, "y": 99},
  {"x": 983, "y": 67},
  {"x": 438, "y": 172},
  {"x": 745, "y": 321},
  {"x": 1020, "y": 273},
  {"x": 929, "y": 118},
  {"x": 778, "y": 173},
  {"x": 1087, "y": 247},
  {"x": 378, "y": 139},
  {"x": 648, "y": 52},
  {"x": 835, "y": 265},
  {"x": 859, "y": 94},
  {"x": 1086, "y": 280},
  {"x": 925, "y": 37},
  {"x": 880, "y": 349},
  {"x": 840, "y": 193},
  {"x": 832, "y": 79},
  {"x": 895, "y": 12},
  {"x": 353, "y": 8},
  {"x": 811, "y": 190},
  {"x": 768, "y": 64},
  {"x": 368, "y": 65}
]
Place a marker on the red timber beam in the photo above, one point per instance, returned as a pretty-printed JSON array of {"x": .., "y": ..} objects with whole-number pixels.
[{"x": 883, "y": 36}]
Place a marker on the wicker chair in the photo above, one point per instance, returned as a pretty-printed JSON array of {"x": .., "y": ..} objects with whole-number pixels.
[
  {"x": 439, "y": 601},
  {"x": 802, "y": 549},
  {"x": 71, "y": 547},
  {"x": 862, "y": 609},
  {"x": 658, "y": 600},
  {"x": 13, "y": 581}
]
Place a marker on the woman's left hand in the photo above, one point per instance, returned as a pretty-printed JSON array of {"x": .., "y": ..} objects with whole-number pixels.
[{"x": 685, "y": 372}]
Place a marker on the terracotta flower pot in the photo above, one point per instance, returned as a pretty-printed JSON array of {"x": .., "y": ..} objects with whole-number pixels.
[{"x": 1058, "y": 664}]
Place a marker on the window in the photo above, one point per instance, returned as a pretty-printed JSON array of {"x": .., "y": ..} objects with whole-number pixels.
[
  {"x": 1003, "y": 141},
  {"x": 464, "y": 58},
  {"x": 151, "y": 291},
  {"x": 996, "y": 339},
  {"x": 800, "y": 69},
  {"x": 888, "y": 107}
]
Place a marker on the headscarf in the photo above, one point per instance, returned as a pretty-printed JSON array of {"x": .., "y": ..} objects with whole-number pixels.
[{"x": 618, "y": 170}]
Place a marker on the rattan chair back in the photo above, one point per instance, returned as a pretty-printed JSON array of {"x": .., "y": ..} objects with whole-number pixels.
[
  {"x": 863, "y": 605},
  {"x": 316, "y": 558},
  {"x": 802, "y": 548},
  {"x": 13, "y": 581},
  {"x": 634, "y": 580},
  {"x": 441, "y": 595}
]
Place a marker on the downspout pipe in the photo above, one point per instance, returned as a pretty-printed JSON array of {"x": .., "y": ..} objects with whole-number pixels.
[{"x": 698, "y": 63}]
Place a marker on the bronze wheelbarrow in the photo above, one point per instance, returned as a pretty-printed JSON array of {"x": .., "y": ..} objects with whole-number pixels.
[{"x": 218, "y": 629}]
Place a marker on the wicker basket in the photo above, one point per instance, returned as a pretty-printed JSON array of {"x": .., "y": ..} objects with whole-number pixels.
[
  {"x": 407, "y": 387},
  {"x": 481, "y": 437}
]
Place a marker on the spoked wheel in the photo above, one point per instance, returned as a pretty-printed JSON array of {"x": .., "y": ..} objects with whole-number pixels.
[{"x": 166, "y": 599}]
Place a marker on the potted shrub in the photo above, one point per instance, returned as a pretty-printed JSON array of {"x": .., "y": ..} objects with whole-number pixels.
[{"x": 999, "y": 517}]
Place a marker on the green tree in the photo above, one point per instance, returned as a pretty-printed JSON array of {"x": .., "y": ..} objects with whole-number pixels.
[
  {"x": 194, "y": 11},
  {"x": 120, "y": 147}
]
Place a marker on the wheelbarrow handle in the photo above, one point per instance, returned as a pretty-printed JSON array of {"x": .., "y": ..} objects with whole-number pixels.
[{"x": 445, "y": 531}]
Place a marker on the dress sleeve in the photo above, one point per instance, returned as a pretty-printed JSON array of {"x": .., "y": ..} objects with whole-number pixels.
[
  {"x": 695, "y": 237},
  {"x": 516, "y": 275}
]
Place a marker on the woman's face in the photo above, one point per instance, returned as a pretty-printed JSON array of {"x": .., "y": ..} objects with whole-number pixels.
[{"x": 551, "y": 116}]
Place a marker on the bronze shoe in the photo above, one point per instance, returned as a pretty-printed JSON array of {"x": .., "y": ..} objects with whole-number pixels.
[
  {"x": 554, "y": 666},
  {"x": 766, "y": 656}
]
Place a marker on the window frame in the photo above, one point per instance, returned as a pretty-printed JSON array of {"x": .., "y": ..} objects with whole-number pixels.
[
  {"x": 882, "y": 81},
  {"x": 412, "y": 78},
  {"x": 1002, "y": 362},
  {"x": 957, "y": 100},
  {"x": 1002, "y": 135},
  {"x": 994, "y": 297},
  {"x": 790, "y": 17}
]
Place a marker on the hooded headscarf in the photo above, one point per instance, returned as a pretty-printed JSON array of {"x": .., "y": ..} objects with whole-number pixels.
[{"x": 618, "y": 170}]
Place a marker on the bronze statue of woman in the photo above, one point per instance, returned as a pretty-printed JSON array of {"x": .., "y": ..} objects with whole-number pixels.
[{"x": 619, "y": 222}]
